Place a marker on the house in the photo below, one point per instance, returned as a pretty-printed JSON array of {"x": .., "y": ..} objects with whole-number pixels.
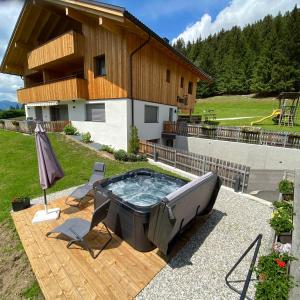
[{"x": 99, "y": 67}]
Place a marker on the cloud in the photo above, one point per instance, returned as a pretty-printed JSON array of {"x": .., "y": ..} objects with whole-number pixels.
[
  {"x": 237, "y": 13},
  {"x": 9, "y": 12}
]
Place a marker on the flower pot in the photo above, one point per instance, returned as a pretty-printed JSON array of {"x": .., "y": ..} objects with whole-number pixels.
[
  {"x": 285, "y": 237},
  {"x": 20, "y": 205}
]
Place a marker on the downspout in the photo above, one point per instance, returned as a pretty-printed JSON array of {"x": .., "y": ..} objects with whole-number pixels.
[{"x": 131, "y": 76}]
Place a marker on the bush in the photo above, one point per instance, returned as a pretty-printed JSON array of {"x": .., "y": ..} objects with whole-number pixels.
[
  {"x": 134, "y": 142},
  {"x": 286, "y": 187},
  {"x": 124, "y": 156},
  {"x": 132, "y": 157},
  {"x": 274, "y": 281},
  {"x": 86, "y": 137},
  {"x": 12, "y": 113},
  {"x": 108, "y": 149},
  {"x": 70, "y": 130},
  {"x": 282, "y": 220},
  {"x": 121, "y": 155}
]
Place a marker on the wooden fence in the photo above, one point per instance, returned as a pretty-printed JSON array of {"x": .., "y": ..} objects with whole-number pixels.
[
  {"x": 29, "y": 126},
  {"x": 235, "y": 134},
  {"x": 231, "y": 173}
]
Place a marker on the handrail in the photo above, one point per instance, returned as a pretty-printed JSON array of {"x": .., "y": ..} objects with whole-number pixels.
[{"x": 243, "y": 293}]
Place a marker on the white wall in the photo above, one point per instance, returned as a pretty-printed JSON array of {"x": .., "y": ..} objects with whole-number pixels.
[
  {"x": 255, "y": 156},
  {"x": 30, "y": 112},
  {"x": 150, "y": 131},
  {"x": 114, "y": 131},
  {"x": 77, "y": 111}
]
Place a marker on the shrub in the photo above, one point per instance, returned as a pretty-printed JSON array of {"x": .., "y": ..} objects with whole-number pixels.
[
  {"x": 69, "y": 129},
  {"x": 108, "y": 149},
  {"x": 274, "y": 281},
  {"x": 132, "y": 157},
  {"x": 281, "y": 220},
  {"x": 134, "y": 142},
  {"x": 142, "y": 157},
  {"x": 121, "y": 155},
  {"x": 286, "y": 187},
  {"x": 86, "y": 137}
]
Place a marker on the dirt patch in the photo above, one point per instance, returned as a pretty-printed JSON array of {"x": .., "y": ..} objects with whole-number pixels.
[{"x": 16, "y": 274}]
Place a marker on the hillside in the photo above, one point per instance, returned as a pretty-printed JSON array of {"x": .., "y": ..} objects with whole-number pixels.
[
  {"x": 5, "y": 104},
  {"x": 263, "y": 57}
]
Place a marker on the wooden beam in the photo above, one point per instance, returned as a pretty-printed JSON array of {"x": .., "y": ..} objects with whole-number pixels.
[
  {"x": 108, "y": 25},
  {"x": 24, "y": 46},
  {"x": 77, "y": 16}
]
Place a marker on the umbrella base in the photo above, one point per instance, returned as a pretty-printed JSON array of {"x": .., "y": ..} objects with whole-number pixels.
[{"x": 43, "y": 216}]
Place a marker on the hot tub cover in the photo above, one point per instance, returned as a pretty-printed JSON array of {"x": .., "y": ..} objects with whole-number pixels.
[{"x": 179, "y": 207}]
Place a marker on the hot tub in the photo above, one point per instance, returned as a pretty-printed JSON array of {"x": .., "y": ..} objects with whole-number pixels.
[{"x": 133, "y": 195}]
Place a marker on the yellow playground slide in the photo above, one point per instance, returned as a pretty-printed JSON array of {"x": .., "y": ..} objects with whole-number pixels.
[{"x": 276, "y": 112}]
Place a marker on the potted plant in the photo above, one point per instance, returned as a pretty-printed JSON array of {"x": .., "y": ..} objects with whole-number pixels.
[
  {"x": 209, "y": 130},
  {"x": 282, "y": 221},
  {"x": 250, "y": 134},
  {"x": 274, "y": 281},
  {"x": 286, "y": 188},
  {"x": 19, "y": 203}
]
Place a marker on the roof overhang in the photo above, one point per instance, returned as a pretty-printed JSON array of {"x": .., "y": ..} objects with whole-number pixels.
[{"x": 101, "y": 11}]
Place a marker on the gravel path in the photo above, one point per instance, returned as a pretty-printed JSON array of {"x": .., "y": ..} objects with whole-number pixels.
[{"x": 199, "y": 269}]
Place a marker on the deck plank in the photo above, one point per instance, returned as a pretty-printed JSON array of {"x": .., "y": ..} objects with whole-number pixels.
[{"x": 119, "y": 272}]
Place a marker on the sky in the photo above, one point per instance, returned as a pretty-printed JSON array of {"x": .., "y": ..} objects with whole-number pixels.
[{"x": 187, "y": 19}]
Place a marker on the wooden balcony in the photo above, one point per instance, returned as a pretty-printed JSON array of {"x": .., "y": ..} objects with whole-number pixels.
[
  {"x": 63, "y": 90},
  {"x": 66, "y": 47}
]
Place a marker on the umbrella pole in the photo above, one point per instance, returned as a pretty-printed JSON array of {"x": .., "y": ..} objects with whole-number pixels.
[{"x": 45, "y": 201}]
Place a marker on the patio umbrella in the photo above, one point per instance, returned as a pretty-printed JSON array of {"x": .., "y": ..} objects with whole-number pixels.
[{"x": 49, "y": 172}]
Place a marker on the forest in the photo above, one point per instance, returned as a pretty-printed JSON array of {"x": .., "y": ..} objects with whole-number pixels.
[{"x": 262, "y": 58}]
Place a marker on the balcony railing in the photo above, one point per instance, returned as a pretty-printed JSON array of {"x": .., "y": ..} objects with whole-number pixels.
[
  {"x": 67, "y": 46},
  {"x": 70, "y": 88}
]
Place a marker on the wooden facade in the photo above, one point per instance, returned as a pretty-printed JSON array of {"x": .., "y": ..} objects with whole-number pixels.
[
  {"x": 65, "y": 47},
  {"x": 63, "y": 90},
  {"x": 156, "y": 72}
]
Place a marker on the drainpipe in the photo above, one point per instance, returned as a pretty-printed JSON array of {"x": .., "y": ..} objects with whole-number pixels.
[{"x": 131, "y": 76}]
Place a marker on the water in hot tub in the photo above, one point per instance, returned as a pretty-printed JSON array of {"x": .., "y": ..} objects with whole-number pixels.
[{"x": 144, "y": 190}]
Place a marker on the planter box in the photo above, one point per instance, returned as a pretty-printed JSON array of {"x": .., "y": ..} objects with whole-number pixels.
[
  {"x": 17, "y": 206},
  {"x": 287, "y": 197},
  {"x": 285, "y": 237}
]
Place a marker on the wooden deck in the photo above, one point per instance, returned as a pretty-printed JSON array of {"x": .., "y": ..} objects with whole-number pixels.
[{"x": 119, "y": 272}]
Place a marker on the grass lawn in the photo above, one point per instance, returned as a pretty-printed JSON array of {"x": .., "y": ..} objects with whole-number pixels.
[
  {"x": 244, "y": 106},
  {"x": 19, "y": 176}
]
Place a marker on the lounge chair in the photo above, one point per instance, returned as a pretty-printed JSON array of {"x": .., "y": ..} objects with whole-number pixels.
[
  {"x": 83, "y": 191},
  {"x": 77, "y": 229}
]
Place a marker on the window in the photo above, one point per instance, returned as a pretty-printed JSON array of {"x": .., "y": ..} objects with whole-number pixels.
[
  {"x": 190, "y": 89},
  {"x": 99, "y": 66},
  {"x": 168, "y": 76},
  {"x": 95, "y": 112},
  {"x": 181, "y": 82},
  {"x": 151, "y": 114}
]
